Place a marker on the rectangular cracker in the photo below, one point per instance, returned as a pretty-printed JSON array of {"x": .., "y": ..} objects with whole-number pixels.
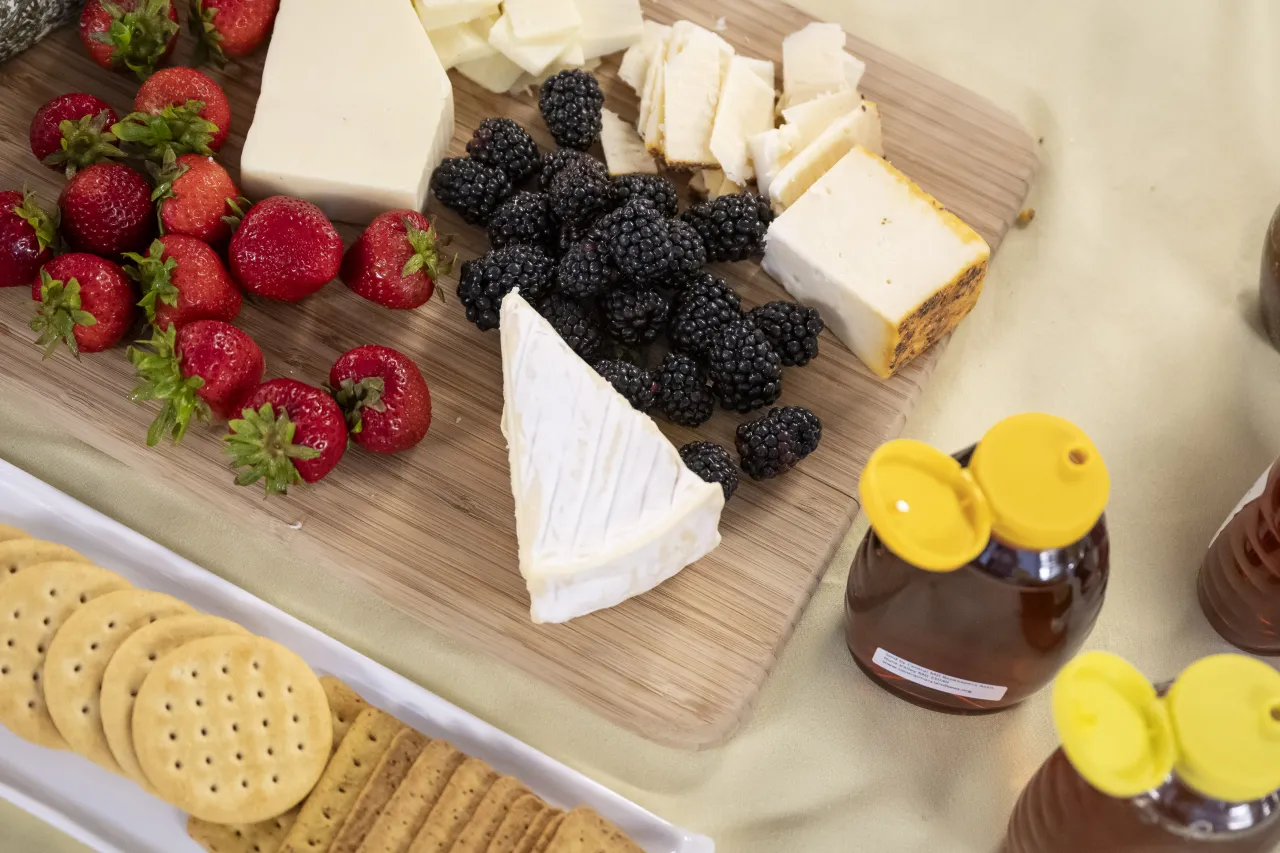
[
  {"x": 264, "y": 837},
  {"x": 483, "y": 826},
  {"x": 413, "y": 801},
  {"x": 335, "y": 795},
  {"x": 524, "y": 812},
  {"x": 585, "y": 831},
  {"x": 344, "y": 703},
  {"x": 535, "y": 830},
  {"x": 388, "y": 775},
  {"x": 544, "y": 840},
  {"x": 459, "y": 801}
]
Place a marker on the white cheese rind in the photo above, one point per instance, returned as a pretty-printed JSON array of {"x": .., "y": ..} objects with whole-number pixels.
[
  {"x": 609, "y": 26},
  {"x": 745, "y": 110},
  {"x": 327, "y": 128},
  {"x": 438, "y": 14},
  {"x": 697, "y": 60},
  {"x": 860, "y": 127},
  {"x": 542, "y": 20},
  {"x": 496, "y": 73},
  {"x": 533, "y": 57},
  {"x": 624, "y": 150},
  {"x": 813, "y": 63},
  {"x": 605, "y": 507}
]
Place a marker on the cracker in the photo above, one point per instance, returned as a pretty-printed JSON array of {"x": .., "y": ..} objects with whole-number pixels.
[
  {"x": 346, "y": 705},
  {"x": 129, "y": 667},
  {"x": 33, "y": 606},
  {"x": 585, "y": 831},
  {"x": 483, "y": 826},
  {"x": 18, "y": 554},
  {"x": 232, "y": 729},
  {"x": 264, "y": 837},
  {"x": 539, "y": 826},
  {"x": 78, "y": 657},
  {"x": 412, "y": 802},
  {"x": 335, "y": 795},
  {"x": 8, "y": 533},
  {"x": 511, "y": 831},
  {"x": 459, "y": 801},
  {"x": 548, "y": 833},
  {"x": 388, "y": 775}
]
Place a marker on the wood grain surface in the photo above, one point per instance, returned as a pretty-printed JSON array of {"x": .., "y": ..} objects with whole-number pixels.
[{"x": 433, "y": 529}]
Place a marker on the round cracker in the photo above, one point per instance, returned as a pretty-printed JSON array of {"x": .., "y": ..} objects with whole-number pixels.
[
  {"x": 130, "y": 666},
  {"x": 78, "y": 656},
  {"x": 33, "y": 606},
  {"x": 16, "y": 555},
  {"x": 232, "y": 729},
  {"x": 9, "y": 533}
]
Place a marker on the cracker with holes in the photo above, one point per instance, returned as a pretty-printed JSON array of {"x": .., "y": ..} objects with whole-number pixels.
[
  {"x": 524, "y": 812},
  {"x": 33, "y": 606},
  {"x": 356, "y": 760},
  {"x": 344, "y": 703},
  {"x": 129, "y": 667},
  {"x": 535, "y": 830},
  {"x": 8, "y": 533},
  {"x": 483, "y": 826},
  {"x": 263, "y": 837},
  {"x": 413, "y": 801},
  {"x": 388, "y": 775},
  {"x": 543, "y": 841},
  {"x": 20, "y": 553},
  {"x": 585, "y": 831},
  {"x": 232, "y": 729},
  {"x": 461, "y": 797}
]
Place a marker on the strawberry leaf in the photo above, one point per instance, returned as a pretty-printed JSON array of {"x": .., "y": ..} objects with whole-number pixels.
[
  {"x": 159, "y": 367},
  {"x": 208, "y": 36},
  {"x": 353, "y": 397},
  {"x": 261, "y": 448},
  {"x": 426, "y": 252},
  {"x": 239, "y": 207},
  {"x": 154, "y": 275},
  {"x": 58, "y": 315},
  {"x": 45, "y": 224},
  {"x": 85, "y": 141},
  {"x": 140, "y": 37},
  {"x": 177, "y": 129}
]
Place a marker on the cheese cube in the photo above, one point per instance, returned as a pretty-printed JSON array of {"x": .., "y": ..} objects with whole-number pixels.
[
  {"x": 890, "y": 270},
  {"x": 463, "y": 42},
  {"x": 635, "y": 62},
  {"x": 745, "y": 109},
  {"x": 438, "y": 14},
  {"x": 624, "y": 150},
  {"x": 813, "y": 63},
  {"x": 771, "y": 151},
  {"x": 811, "y": 118},
  {"x": 697, "y": 60},
  {"x": 495, "y": 73},
  {"x": 543, "y": 20},
  {"x": 369, "y": 147},
  {"x": 860, "y": 127},
  {"x": 533, "y": 57},
  {"x": 609, "y": 26}
]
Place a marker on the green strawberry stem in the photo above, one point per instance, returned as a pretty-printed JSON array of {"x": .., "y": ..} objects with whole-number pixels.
[
  {"x": 159, "y": 367},
  {"x": 140, "y": 36},
  {"x": 261, "y": 443},
  {"x": 154, "y": 275},
  {"x": 45, "y": 224},
  {"x": 239, "y": 207},
  {"x": 353, "y": 397},
  {"x": 85, "y": 141},
  {"x": 208, "y": 37},
  {"x": 178, "y": 129},
  {"x": 163, "y": 176},
  {"x": 59, "y": 314},
  {"x": 426, "y": 252}
]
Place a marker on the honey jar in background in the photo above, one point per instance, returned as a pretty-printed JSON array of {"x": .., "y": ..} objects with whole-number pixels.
[
  {"x": 1269, "y": 286},
  {"x": 982, "y": 573}
]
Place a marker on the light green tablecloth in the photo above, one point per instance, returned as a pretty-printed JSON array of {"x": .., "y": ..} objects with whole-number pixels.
[{"x": 1129, "y": 306}]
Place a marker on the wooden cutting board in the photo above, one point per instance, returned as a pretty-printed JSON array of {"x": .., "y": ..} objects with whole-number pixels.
[{"x": 433, "y": 530}]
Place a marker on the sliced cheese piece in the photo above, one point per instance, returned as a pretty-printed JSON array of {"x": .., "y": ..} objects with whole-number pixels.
[
  {"x": 655, "y": 115},
  {"x": 860, "y": 127},
  {"x": 609, "y": 26},
  {"x": 725, "y": 187},
  {"x": 771, "y": 151},
  {"x": 890, "y": 270},
  {"x": 854, "y": 68},
  {"x": 463, "y": 42},
  {"x": 811, "y": 118},
  {"x": 533, "y": 57},
  {"x": 763, "y": 68},
  {"x": 624, "y": 150},
  {"x": 813, "y": 63},
  {"x": 635, "y": 62},
  {"x": 744, "y": 110},
  {"x": 543, "y": 20},
  {"x": 697, "y": 60},
  {"x": 438, "y": 14},
  {"x": 365, "y": 151},
  {"x": 495, "y": 73},
  {"x": 573, "y": 56},
  {"x": 605, "y": 507},
  {"x": 651, "y": 92}
]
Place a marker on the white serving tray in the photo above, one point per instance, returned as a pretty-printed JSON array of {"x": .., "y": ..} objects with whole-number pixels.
[{"x": 111, "y": 814}]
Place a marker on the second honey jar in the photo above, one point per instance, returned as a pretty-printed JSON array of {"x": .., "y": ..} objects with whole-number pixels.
[{"x": 982, "y": 573}]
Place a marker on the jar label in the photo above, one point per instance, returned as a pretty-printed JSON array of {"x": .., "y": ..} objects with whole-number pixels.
[
  {"x": 1251, "y": 495},
  {"x": 938, "y": 681}
]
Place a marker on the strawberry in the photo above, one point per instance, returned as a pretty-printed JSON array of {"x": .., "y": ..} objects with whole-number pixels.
[
  {"x": 179, "y": 110},
  {"x": 71, "y": 132},
  {"x": 134, "y": 34},
  {"x": 396, "y": 261},
  {"x": 26, "y": 233},
  {"x": 85, "y": 302},
  {"x": 106, "y": 209},
  {"x": 288, "y": 433},
  {"x": 183, "y": 280},
  {"x": 193, "y": 195},
  {"x": 204, "y": 368},
  {"x": 230, "y": 28},
  {"x": 285, "y": 249},
  {"x": 384, "y": 398}
]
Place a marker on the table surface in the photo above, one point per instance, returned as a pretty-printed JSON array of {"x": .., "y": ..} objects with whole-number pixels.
[{"x": 1128, "y": 305}]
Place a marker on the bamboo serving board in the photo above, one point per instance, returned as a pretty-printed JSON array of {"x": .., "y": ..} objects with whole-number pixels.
[{"x": 433, "y": 530}]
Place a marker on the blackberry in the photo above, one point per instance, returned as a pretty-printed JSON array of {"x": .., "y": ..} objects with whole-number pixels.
[
  {"x": 684, "y": 397},
  {"x": 579, "y": 195},
  {"x": 654, "y": 188},
  {"x": 773, "y": 444},
  {"x": 792, "y": 329},
  {"x": 732, "y": 226},
  {"x": 635, "y": 317},
  {"x": 505, "y": 145},
  {"x": 484, "y": 281},
  {"x": 702, "y": 308},
  {"x": 712, "y": 463},
  {"x": 571, "y": 103},
  {"x": 570, "y": 236},
  {"x": 555, "y": 162},
  {"x": 640, "y": 239},
  {"x": 472, "y": 189},
  {"x": 587, "y": 270},
  {"x": 634, "y": 383},
  {"x": 746, "y": 373},
  {"x": 690, "y": 252},
  {"x": 523, "y": 218},
  {"x": 573, "y": 322}
]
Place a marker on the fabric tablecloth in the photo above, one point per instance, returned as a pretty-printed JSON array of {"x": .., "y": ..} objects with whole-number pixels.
[{"x": 1128, "y": 305}]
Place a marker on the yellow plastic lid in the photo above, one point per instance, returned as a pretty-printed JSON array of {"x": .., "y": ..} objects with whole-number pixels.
[
  {"x": 1225, "y": 711},
  {"x": 924, "y": 506},
  {"x": 1044, "y": 479},
  {"x": 1113, "y": 727}
]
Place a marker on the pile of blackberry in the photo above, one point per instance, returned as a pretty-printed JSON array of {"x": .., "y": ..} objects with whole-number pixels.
[{"x": 619, "y": 273}]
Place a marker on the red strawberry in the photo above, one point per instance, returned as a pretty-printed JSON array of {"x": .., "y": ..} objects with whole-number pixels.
[
  {"x": 72, "y": 131},
  {"x": 134, "y": 34},
  {"x": 285, "y": 249},
  {"x": 205, "y": 368},
  {"x": 396, "y": 261},
  {"x": 179, "y": 110},
  {"x": 26, "y": 233},
  {"x": 230, "y": 28},
  {"x": 384, "y": 397},
  {"x": 194, "y": 195},
  {"x": 288, "y": 433},
  {"x": 183, "y": 280},
  {"x": 85, "y": 302},
  {"x": 106, "y": 209}
]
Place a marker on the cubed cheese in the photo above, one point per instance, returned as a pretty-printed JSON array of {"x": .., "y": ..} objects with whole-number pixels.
[
  {"x": 438, "y": 14},
  {"x": 369, "y": 147},
  {"x": 890, "y": 270},
  {"x": 745, "y": 109},
  {"x": 609, "y": 26},
  {"x": 543, "y": 20},
  {"x": 813, "y": 63},
  {"x": 624, "y": 150},
  {"x": 495, "y": 73},
  {"x": 635, "y": 62},
  {"x": 860, "y": 127},
  {"x": 463, "y": 42},
  {"x": 811, "y": 118},
  {"x": 533, "y": 57},
  {"x": 771, "y": 151},
  {"x": 697, "y": 61}
]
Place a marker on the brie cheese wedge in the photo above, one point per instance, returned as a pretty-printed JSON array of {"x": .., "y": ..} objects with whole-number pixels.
[
  {"x": 745, "y": 110},
  {"x": 624, "y": 150},
  {"x": 860, "y": 127},
  {"x": 605, "y": 508}
]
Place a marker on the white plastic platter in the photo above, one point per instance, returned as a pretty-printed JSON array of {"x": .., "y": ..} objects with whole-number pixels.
[{"x": 111, "y": 814}]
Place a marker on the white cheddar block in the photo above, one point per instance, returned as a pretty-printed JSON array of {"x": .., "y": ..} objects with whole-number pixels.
[
  {"x": 635, "y": 62},
  {"x": 811, "y": 118},
  {"x": 763, "y": 68},
  {"x": 854, "y": 68},
  {"x": 771, "y": 151},
  {"x": 462, "y": 43},
  {"x": 542, "y": 20},
  {"x": 860, "y": 127},
  {"x": 813, "y": 63},
  {"x": 369, "y": 147},
  {"x": 533, "y": 57},
  {"x": 624, "y": 150},
  {"x": 697, "y": 60},
  {"x": 745, "y": 110},
  {"x": 609, "y": 26},
  {"x": 496, "y": 73},
  {"x": 438, "y": 14},
  {"x": 890, "y": 270}
]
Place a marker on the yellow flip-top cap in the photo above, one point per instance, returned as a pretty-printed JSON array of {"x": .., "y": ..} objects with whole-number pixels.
[
  {"x": 1045, "y": 481},
  {"x": 1226, "y": 718},
  {"x": 1114, "y": 728},
  {"x": 924, "y": 506}
]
